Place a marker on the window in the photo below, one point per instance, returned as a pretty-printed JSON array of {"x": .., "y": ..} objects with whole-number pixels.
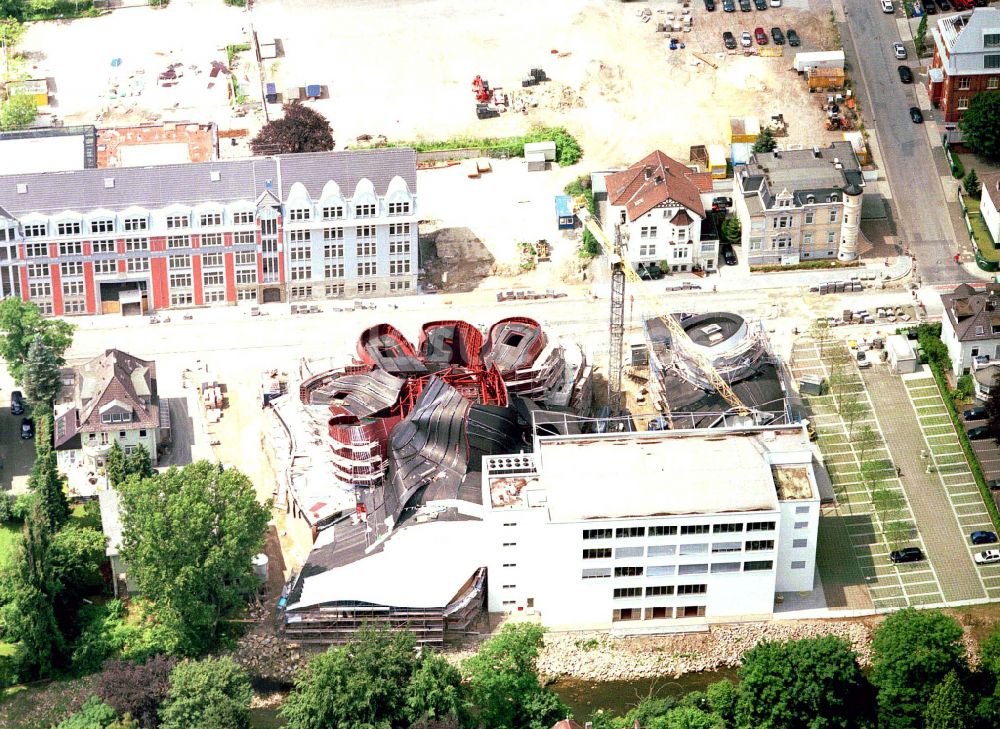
[
  {"x": 246, "y": 295},
  {"x": 798, "y": 564},
  {"x": 212, "y": 239},
  {"x": 214, "y": 296},
  {"x": 182, "y": 298},
  {"x": 621, "y": 593},
  {"x": 801, "y": 524},
  {"x": 36, "y": 230},
  {"x": 367, "y": 268},
  {"x": 661, "y": 550},
  {"x": 759, "y": 545},
  {"x": 212, "y": 260},
  {"x": 104, "y": 225},
  {"x": 365, "y": 231},
  {"x": 725, "y": 567},
  {"x": 602, "y": 553},
  {"x": 137, "y": 244},
  {"x": 333, "y": 234},
  {"x": 244, "y": 238},
  {"x": 626, "y": 614},
  {"x": 136, "y": 224},
  {"x": 333, "y": 212},
  {"x": 210, "y": 220},
  {"x": 244, "y": 217},
  {"x": 810, "y": 216},
  {"x": 68, "y": 229},
  {"x": 659, "y": 590},
  {"x": 681, "y": 252},
  {"x": 36, "y": 250},
  {"x": 963, "y": 84},
  {"x": 299, "y": 214},
  {"x": 74, "y": 306},
  {"x": 214, "y": 278},
  {"x": 662, "y": 531},
  {"x": 721, "y": 547},
  {"x": 991, "y": 61},
  {"x": 628, "y": 571},
  {"x": 365, "y": 210},
  {"x": 597, "y": 534},
  {"x": 106, "y": 266},
  {"x": 595, "y": 573},
  {"x": 71, "y": 248},
  {"x": 181, "y": 280},
  {"x": 39, "y": 289},
  {"x": 662, "y": 570},
  {"x": 399, "y": 285},
  {"x": 760, "y": 526},
  {"x": 303, "y": 292},
  {"x": 692, "y": 569},
  {"x": 332, "y": 290},
  {"x": 298, "y": 236},
  {"x": 246, "y": 259},
  {"x": 246, "y": 276},
  {"x": 333, "y": 250},
  {"x": 179, "y": 261},
  {"x": 758, "y": 565},
  {"x": 692, "y": 589},
  {"x": 647, "y": 231},
  {"x": 800, "y": 543},
  {"x": 801, "y": 509},
  {"x": 830, "y": 237},
  {"x": 648, "y": 250},
  {"x": 136, "y": 265},
  {"x": 366, "y": 248},
  {"x": 71, "y": 268},
  {"x": 399, "y": 268},
  {"x": 992, "y": 83},
  {"x": 301, "y": 273},
  {"x": 726, "y": 528},
  {"x": 269, "y": 227},
  {"x": 628, "y": 552},
  {"x": 625, "y": 533},
  {"x": 38, "y": 270},
  {"x": 833, "y": 215},
  {"x": 694, "y": 529},
  {"x": 399, "y": 208},
  {"x": 991, "y": 40},
  {"x": 691, "y": 611},
  {"x": 510, "y": 587},
  {"x": 178, "y": 241},
  {"x": 333, "y": 270},
  {"x": 399, "y": 229},
  {"x": 807, "y": 239},
  {"x": 367, "y": 288},
  {"x": 73, "y": 288},
  {"x": 782, "y": 221},
  {"x": 178, "y": 221},
  {"x": 300, "y": 253},
  {"x": 693, "y": 549}
]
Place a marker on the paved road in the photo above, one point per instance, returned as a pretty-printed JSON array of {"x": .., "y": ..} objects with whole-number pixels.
[{"x": 920, "y": 207}]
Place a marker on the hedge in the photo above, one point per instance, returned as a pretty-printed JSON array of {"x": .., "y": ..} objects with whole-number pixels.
[{"x": 568, "y": 150}]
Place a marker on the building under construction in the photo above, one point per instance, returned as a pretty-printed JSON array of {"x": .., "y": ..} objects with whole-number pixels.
[
  {"x": 738, "y": 350},
  {"x": 393, "y": 488}
]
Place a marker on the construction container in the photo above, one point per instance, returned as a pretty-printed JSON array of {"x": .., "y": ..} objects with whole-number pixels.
[
  {"x": 293, "y": 93},
  {"x": 271, "y": 94},
  {"x": 717, "y": 161},
  {"x": 818, "y": 59},
  {"x": 564, "y": 212},
  {"x": 536, "y": 161},
  {"x": 547, "y": 149},
  {"x": 36, "y": 88},
  {"x": 743, "y": 130},
  {"x": 539, "y": 74},
  {"x": 811, "y": 384},
  {"x": 825, "y": 78}
]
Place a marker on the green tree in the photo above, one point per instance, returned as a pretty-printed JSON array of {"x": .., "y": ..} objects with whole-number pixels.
[
  {"x": 971, "y": 184},
  {"x": 44, "y": 480},
  {"x": 865, "y": 442},
  {"x": 504, "y": 682},
  {"x": 137, "y": 463},
  {"x": 920, "y": 39},
  {"x": 94, "y": 714},
  {"x": 360, "y": 685},
  {"x": 980, "y": 125},
  {"x": 188, "y": 537},
  {"x": 687, "y": 717},
  {"x": 114, "y": 465},
  {"x": 950, "y": 705},
  {"x": 207, "y": 694},
  {"x": 731, "y": 230},
  {"x": 75, "y": 558},
  {"x": 13, "y": 10},
  {"x": 850, "y": 408},
  {"x": 41, "y": 380},
  {"x": 765, "y": 142},
  {"x": 17, "y": 112},
  {"x": 813, "y": 682},
  {"x": 20, "y": 321},
  {"x": 819, "y": 330},
  {"x": 435, "y": 691},
  {"x": 11, "y": 33},
  {"x": 300, "y": 129},
  {"x": 722, "y": 697},
  {"x": 912, "y": 652}
]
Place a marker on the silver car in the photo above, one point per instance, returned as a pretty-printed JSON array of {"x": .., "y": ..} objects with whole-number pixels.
[
  {"x": 900, "y": 50},
  {"x": 746, "y": 40},
  {"x": 987, "y": 557}
]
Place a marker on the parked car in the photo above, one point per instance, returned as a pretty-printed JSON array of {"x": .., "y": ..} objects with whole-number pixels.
[
  {"x": 916, "y": 116},
  {"x": 929, "y": 7},
  {"x": 905, "y": 75},
  {"x": 980, "y": 432},
  {"x": 988, "y": 557},
  {"x": 729, "y": 40},
  {"x": 710, "y": 6},
  {"x": 27, "y": 429},
  {"x": 745, "y": 39},
  {"x": 650, "y": 272},
  {"x": 777, "y": 36},
  {"x": 983, "y": 537},
  {"x": 887, "y": 6},
  {"x": 760, "y": 36},
  {"x": 899, "y": 50},
  {"x": 16, "y": 402},
  {"x": 729, "y": 256},
  {"x": 775, "y": 3},
  {"x": 721, "y": 203},
  {"x": 793, "y": 38},
  {"x": 944, "y": 5},
  {"x": 974, "y": 414},
  {"x": 760, "y": 4},
  {"x": 906, "y": 554},
  {"x": 745, "y": 6},
  {"x": 728, "y": 6}
]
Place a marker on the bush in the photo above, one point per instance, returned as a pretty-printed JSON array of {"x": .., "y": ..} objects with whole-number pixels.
[
  {"x": 22, "y": 506},
  {"x": 957, "y": 168},
  {"x": 6, "y": 507},
  {"x": 966, "y": 387},
  {"x": 137, "y": 688},
  {"x": 568, "y": 150},
  {"x": 107, "y": 632}
]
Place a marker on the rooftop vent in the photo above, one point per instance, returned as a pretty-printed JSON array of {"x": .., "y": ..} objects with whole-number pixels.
[
  {"x": 22, "y": 188},
  {"x": 777, "y": 154},
  {"x": 648, "y": 172},
  {"x": 109, "y": 182},
  {"x": 267, "y": 184},
  {"x": 215, "y": 175},
  {"x": 816, "y": 153}
]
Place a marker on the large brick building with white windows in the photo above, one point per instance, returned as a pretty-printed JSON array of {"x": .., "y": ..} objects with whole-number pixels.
[
  {"x": 966, "y": 59},
  {"x": 289, "y": 227}
]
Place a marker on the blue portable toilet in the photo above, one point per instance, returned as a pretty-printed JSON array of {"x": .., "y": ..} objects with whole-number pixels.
[{"x": 564, "y": 212}]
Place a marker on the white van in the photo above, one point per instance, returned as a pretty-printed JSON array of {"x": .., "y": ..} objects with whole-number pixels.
[{"x": 887, "y": 6}]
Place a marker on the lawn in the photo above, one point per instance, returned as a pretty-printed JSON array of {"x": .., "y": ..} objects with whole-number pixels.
[{"x": 984, "y": 240}]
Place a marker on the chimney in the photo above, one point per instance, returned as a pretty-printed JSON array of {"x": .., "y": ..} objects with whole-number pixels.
[
  {"x": 777, "y": 154},
  {"x": 816, "y": 152},
  {"x": 649, "y": 172}
]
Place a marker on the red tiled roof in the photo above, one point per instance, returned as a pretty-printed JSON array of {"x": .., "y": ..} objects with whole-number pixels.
[
  {"x": 682, "y": 218},
  {"x": 566, "y": 724},
  {"x": 654, "y": 180}
]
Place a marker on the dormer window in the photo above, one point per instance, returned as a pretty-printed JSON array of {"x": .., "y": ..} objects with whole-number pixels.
[
  {"x": 399, "y": 208},
  {"x": 333, "y": 212},
  {"x": 116, "y": 416},
  {"x": 36, "y": 230},
  {"x": 68, "y": 228},
  {"x": 210, "y": 220},
  {"x": 299, "y": 214},
  {"x": 980, "y": 331},
  {"x": 364, "y": 210},
  {"x": 104, "y": 225},
  {"x": 136, "y": 223},
  {"x": 178, "y": 221},
  {"x": 243, "y": 217}
]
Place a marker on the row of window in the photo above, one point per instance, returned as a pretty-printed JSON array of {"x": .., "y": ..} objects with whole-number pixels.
[
  {"x": 685, "y": 529},
  {"x": 669, "y": 550},
  {"x": 336, "y": 290},
  {"x": 658, "y": 613},
  {"x": 684, "y": 569},
  {"x": 623, "y": 593},
  {"x": 399, "y": 267},
  {"x": 336, "y": 212}
]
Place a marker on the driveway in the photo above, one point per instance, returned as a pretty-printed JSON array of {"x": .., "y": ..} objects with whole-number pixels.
[
  {"x": 17, "y": 455},
  {"x": 924, "y": 221}
]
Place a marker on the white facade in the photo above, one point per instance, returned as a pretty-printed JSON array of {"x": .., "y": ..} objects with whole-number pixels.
[
  {"x": 962, "y": 353},
  {"x": 988, "y": 206},
  {"x": 708, "y": 527},
  {"x": 655, "y": 237}
]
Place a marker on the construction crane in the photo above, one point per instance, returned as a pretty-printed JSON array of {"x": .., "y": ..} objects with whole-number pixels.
[{"x": 620, "y": 271}]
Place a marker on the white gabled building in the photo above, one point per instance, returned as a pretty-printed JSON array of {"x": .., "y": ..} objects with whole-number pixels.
[{"x": 651, "y": 531}]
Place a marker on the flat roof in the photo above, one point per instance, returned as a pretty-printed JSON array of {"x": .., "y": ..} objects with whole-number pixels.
[
  {"x": 147, "y": 155},
  {"x": 668, "y": 473},
  {"x": 43, "y": 154}
]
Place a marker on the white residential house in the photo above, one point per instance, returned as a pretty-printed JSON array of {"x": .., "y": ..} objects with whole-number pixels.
[
  {"x": 989, "y": 204},
  {"x": 970, "y": 327}
]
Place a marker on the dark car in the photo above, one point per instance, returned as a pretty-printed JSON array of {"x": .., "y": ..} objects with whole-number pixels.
[
  {"x": 974, "y": 413},
  {"x": 729, "y": 6},
  {"x": 729, "y": 256},
  {"x": 983, "y": 537},
  {"x": 760, "y": 36},
  {"x": 906, "y": 554},
  {"x": 793, "y": 38},
  {"x": 650, "y": 272},
  {"x": 929, "y": 7},
  {"x": 944, "y": 5},
  {"x": 729, "y": 39},
  {"x": 27, "y": 429},
  {"x": 721, "y": 203},
  {"x": 777, "y": 36},
  {"x": 745, "y": 6},
  {"x": 710, "y": 6},
  {"x": 16, "y": 402},
  {"x": 760, "y": 4},
  {"x": 916, "y": 116},
  {"x": 905, "y": 75},
  {"x": 980, "y": 432}
]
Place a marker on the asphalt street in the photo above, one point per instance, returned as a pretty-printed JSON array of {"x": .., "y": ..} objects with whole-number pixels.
[{"x": 920, "y": 207}]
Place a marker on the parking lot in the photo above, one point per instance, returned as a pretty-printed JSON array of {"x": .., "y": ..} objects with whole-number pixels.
[
  {"x": 852, "y": 532},
  {"x": 986, "y": 449}
]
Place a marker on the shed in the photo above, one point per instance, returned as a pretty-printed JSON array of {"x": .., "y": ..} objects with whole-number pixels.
[
  {"x": 902, "y": 358},
  {"x": 547, "y": 149},
  {"x": 564, "y": 212},
  {"x": 717, "y": 161},
  {"x": 536, "y": 161},
  {"x": 820, "y": 77},
  {"x": 818, "y": 59}
]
